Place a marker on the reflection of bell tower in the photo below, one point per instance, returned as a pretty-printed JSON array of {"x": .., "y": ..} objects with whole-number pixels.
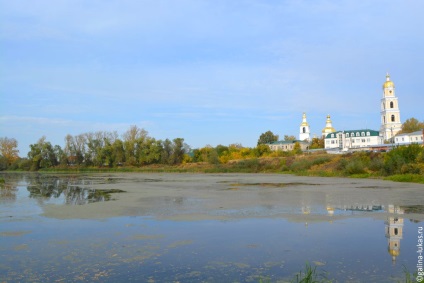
[
  {"x": 304, "y": 133},
  {"x": 394, "y": 231}
]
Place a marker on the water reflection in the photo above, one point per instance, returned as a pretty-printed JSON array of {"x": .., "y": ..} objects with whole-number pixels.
[
  {"x": 394, "y": 231},
  {"x": 74, "y": 191},
  {"x": 69, "y": 190},
  {"x": 8, "y": 193}
]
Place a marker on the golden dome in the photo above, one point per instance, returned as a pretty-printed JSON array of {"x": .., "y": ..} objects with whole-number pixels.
[
  {"x": 328, "y": 126},
  {"x": 393, "y": 252},
  {"x": 388, "y": 83}
]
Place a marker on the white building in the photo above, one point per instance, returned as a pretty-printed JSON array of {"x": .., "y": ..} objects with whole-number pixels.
[
  {"x": 352, "y": 139},
  {"x": 408, "y": 138}
]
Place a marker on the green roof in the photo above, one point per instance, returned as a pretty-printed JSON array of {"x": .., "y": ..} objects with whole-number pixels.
[{"x": 350, "y": 132}]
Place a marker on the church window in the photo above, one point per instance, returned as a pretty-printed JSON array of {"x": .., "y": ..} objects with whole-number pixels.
[
  {"x": 347, "y": 135},
  {"x": 362, "y": 134},
  {"x": 391, "y": 104},
  {"x": 384, "y": 120},
  {"x": 393, "y": 118},
  {"x": 332, "y": 135},
  {"x": 357, "y": 134},
  {"x": 304, "y": 130},
  {"x": 396, "y": 231}
]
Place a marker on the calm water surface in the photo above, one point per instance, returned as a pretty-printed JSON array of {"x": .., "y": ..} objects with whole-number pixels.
[{"x": 143, "y": 248}]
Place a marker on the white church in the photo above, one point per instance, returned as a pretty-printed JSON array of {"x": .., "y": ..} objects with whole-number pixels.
[{"x": 361, "y": 139}]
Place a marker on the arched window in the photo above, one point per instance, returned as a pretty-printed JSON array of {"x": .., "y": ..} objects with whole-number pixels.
[
  {"x": 384, "y": 119},
  {"x": 332, "y": 135},
  {"x": 362, "y": 134},
  {"x": 347, "y": 135},
  {"x": 357, "y": 134},
  {"x": 368, "y": 134},
  {"x": 304, "y": 130},
  {"x": 393, "y": 118},
  {"x": 391, "y": 104}
]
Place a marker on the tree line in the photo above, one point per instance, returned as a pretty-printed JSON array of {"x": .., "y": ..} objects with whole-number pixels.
[
  {"x": 136, "y": 148},
  {"x": 102, "y": 148}
]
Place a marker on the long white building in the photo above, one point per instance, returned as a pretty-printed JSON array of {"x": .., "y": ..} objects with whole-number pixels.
[{"x": 352, "y": 139}]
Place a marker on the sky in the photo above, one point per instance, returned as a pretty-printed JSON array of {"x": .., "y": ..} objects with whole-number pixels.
[{"x": 209, "y": 71}]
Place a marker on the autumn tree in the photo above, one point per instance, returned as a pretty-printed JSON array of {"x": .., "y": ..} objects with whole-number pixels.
[
  {"x": 267, "y": 137},
  {"x": 411, "y": 125},
  {"x": 8, "y": 149},
  {"x": 317, "y": 143}
]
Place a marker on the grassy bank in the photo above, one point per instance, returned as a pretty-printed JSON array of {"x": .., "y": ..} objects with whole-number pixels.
[{"x": 403, "y": 164}]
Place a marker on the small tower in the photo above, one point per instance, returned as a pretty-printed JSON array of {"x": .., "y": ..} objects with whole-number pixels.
[
  {"x": 390, "y": 113},
  {"x": 328, "y": 127},
  {"x": 305, "y": 131},
  {"x": 394, "y": 232}
]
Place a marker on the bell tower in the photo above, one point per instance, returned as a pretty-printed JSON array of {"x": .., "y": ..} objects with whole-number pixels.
[
  {"x": 305, "y": 131},
  {"x": 390, "y": 113}
]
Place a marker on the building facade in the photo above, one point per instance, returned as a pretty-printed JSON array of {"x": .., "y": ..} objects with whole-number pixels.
[
  {"x": 352, "y": 139},
  {"x": 288, "y": 145},
  {"x": 408, "y": 138},
  {"x": 390, "y": 113}
]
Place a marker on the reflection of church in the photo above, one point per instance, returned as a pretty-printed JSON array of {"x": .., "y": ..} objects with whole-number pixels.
[
  {"x": 393, "y": 225},
  {"x": 394, "y": 231}
]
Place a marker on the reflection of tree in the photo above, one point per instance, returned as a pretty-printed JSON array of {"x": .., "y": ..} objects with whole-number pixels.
[
  {"x": 7, "y": 193},
  {"x": 74, "y": 190}
]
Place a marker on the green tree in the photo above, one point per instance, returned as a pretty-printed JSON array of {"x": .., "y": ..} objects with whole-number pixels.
[
  {"x": 133, "y": 138},
  {"x": 289, "y": 138},
  {"x": 411, "y": 125},
  {"x": 150, "y": 151},
  {"x": 178, "y": 151},
  {"x": 62, "y": 159},
  {"x": 42, "y": 155},
  {"x": 118, "y": 152},
  {"x": 166, "y": 152},
  {"x": 267, "y": 137}
]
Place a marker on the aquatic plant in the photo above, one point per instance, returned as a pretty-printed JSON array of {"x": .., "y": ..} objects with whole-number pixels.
[
  {"x": 310, "y": 275},
  {"x": 409, "y": 277}
]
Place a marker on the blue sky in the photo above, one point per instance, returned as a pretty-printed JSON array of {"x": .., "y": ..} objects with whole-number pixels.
[{"x": 212, "y": 72}]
